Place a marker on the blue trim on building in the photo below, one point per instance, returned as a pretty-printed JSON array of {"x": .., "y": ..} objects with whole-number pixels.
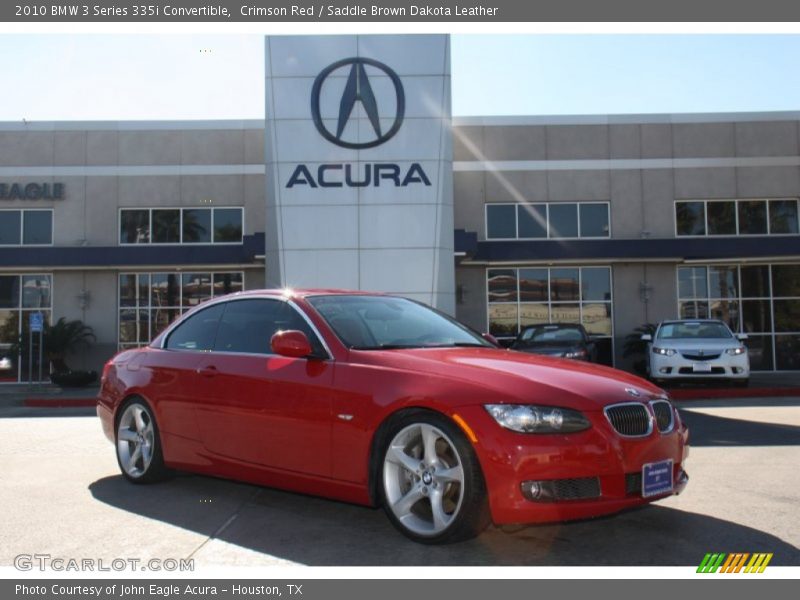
[
  {"x": 622, "y": 249},
  {"x": 132, "y": 255}
]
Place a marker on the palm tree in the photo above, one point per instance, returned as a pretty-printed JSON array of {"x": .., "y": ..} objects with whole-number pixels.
[{"x": 65, "y": 337}]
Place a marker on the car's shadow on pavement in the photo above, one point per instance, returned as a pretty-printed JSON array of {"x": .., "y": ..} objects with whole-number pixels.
[
  {"x": 314, "y": 531},
  {"x": 713, "y": 430}
]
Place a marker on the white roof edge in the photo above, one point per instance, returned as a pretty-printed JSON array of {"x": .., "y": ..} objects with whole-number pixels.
[
  {"x": 622, "y": 119},
  {"x": 170, "y": 125}
]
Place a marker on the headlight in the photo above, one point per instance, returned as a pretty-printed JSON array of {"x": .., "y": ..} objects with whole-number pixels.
[
  {"x": 664, "y": 351},
  {"x": 537, "y": 419},
  {"x": 736, "y": 351}
]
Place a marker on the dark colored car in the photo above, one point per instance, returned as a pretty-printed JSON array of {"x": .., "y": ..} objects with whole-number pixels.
[{"x": 563, "y": 340}]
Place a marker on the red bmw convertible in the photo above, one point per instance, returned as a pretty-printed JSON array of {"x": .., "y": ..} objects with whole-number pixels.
[{"x": 382, "y": 401}]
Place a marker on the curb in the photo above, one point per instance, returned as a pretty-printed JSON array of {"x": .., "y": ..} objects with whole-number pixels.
[
  {"x": 59, "y": 402},
  {"x": 727, "y": 393}
]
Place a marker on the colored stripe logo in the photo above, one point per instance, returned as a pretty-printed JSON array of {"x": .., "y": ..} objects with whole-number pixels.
[{"x": 736, "y": 562}]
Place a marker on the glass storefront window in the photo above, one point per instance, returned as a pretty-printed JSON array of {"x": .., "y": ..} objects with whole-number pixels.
[
  {"x": 563, "y": 220},
  {"x": 502, "y": 285},
  {"x": 503, "y": 320},
  {"x": 766, "y": 307},
  {"x": 37, "y": 227},
  {"x": 195, "y": 288},
  {"x": 21, "y": 295},
  {"x": 149, "y": 302},
  {"x": 752, "y": 217},
  {"x": 737, "y": 217},
  {"x": 564, "y": 284},
  {"x": 595, "y": 284},
  {"x": 554, "y": 220},
  {"x": 550, "y": 295},
  {"x": 755, "y": 281},
  {"x": 26, "y": 227},
  {"x": 10, "y": 227},
  {"x": 197, "y": 226},
  {"x": 692, "y": 282},
  {"x": 783, "y": 216},
  {"x": 723, "y": 282},
  {"x": 756, "y": 316},
  {"x": 721, "y": 218},
  {"x": 693, "y": 310},
  {"x": 594, "y": 219},
  {"x": 533, "y": 285},
  {"x": 227, "y": 225},
  {"x": 532, "y": 220},
  {"x": 166, "y": 226},
  {"x": 181, "y": 226},
  {"x": 787, "y": 352},
  {"x": 786, "y": 281},
  {"x": 501, "y": 221},
  {"x": 690, "y": 218},
  {"x": 134, "y": 226}
]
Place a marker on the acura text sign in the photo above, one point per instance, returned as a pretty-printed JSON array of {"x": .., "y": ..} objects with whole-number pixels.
[
  {"x": 357, "y": 93},
  {"x": 359, "y": 164}
]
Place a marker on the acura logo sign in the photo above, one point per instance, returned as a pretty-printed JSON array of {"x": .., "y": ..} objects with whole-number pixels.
[{"x": 358, "y": 89}]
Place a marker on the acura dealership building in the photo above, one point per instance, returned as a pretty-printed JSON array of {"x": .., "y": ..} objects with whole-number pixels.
[{"x": 358, "y": 177}]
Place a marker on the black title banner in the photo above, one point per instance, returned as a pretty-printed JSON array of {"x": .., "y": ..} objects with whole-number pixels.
[{"x": 400, "y": 11}]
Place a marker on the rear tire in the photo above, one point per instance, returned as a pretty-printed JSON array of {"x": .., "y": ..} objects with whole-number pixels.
[
  {"x": 138, "y": 444},
  {"x": 431, "y": 485}
]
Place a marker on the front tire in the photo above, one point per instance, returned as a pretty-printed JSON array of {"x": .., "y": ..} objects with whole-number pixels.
[
  {"x": 138, "y": 444},
  {"x": 432, "y": 487},
  {"x": 741, "y": 383}
]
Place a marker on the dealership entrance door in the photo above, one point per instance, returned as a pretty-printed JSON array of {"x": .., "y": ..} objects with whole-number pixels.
[{"x": 20, "y": 296}]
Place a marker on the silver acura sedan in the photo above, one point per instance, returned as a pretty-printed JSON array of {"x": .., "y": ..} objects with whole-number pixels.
[{"x": 697, "y": 349}]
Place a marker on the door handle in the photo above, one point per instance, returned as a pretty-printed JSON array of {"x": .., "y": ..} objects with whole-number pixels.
[{"x": 209, "y": 371}]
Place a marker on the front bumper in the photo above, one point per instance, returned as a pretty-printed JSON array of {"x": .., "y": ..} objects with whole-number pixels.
[
  {"x": 508, "y": 459},
  {"x": 679, "y": 367}
]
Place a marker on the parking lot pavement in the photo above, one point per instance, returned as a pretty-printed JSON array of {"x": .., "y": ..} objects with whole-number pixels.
[{"x": 62, "y": 495}]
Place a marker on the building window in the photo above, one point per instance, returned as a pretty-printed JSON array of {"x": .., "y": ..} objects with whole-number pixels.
[
  {"x": 762, "y": 301},
  {"x": 21, "y": 295},
  {"x": 561, "y": 220},
  {"x": 149, "y": 302},
  {"x": 518, "y": 297},
  {"x": 736, "y": 217},
  {"x": 181, "y": 225},
  {"x": 27, "y": 227}
]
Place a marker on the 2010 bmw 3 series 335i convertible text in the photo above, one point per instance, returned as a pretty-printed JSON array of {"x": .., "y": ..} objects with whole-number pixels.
[{"x": 382, "y": 401}]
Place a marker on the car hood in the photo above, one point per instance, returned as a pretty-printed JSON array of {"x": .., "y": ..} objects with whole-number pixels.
[
  {"x": 550, "y": 348},
  {"x": 698, "y": 344},
  {"x": 510, "y": 376}
]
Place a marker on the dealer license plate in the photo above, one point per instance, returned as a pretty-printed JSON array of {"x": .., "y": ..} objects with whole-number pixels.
[
  {"x": 657, "y": 478},
  {"x": 701, "y": 368}
]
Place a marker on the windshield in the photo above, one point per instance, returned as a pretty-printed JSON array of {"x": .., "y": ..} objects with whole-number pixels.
[
  {"x": 386, "y": 322},
  {"x": 691, "y": 330},
  {"x": 551, "y": 334}
]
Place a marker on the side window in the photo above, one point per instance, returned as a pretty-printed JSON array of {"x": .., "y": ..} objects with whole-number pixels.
[
  {"x": 198, "y": 331},
  {"x": 247, "y": 326}
]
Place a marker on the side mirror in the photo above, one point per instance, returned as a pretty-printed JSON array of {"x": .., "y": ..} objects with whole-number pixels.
[
  {"x": 291, "y": 343},
  {"x": 491, "y": 339},
  {"x": 646, "y": 337},
  {"x": 742, "y": 336}
]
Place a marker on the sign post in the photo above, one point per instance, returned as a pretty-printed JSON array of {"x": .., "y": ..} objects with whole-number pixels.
[{"x": 36, "y": 326}]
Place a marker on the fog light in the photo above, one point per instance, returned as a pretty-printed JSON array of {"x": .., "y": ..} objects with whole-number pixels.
[
  {"x": 539, "y": 491},
  {"x": 532, "y": 490},
  {"x": 665, "y": 370}
]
